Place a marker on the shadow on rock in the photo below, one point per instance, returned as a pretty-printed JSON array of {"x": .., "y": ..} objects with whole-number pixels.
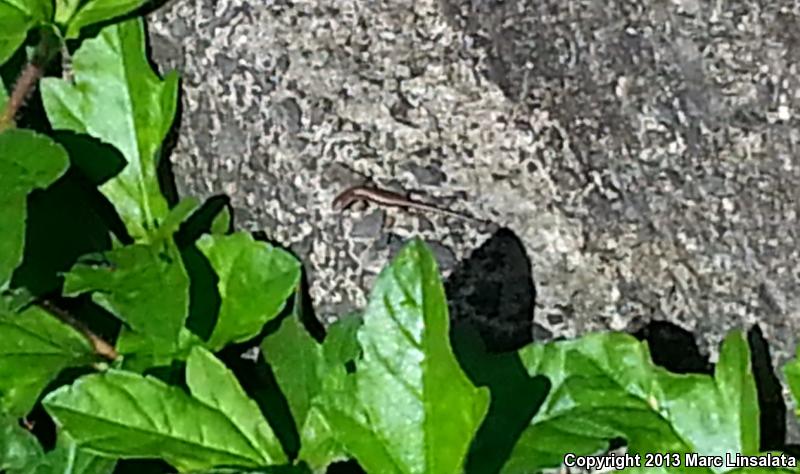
[
  {"x": 673, "y": 348},
  {"x": 493, "y": 291}
]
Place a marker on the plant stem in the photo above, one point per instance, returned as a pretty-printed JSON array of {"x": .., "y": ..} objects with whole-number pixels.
[
  {"x": 30, "y": 75},
  {"x": 101, "y": 347},
  {"x": 23, "y": 87}
]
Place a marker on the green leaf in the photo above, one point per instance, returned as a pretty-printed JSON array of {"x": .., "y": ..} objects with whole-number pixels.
[
  {"x": 221, "y": 223},
  {"x": 216, "y": 386},
  {"x": 14, "y": 27},
  {"x": 303, "y": 372},
  {"x": 34, "y": 348},
  {"x": 64, "y": 10},
  {"x": 319, "y": 444},
  {"x": 17, "y": 446},
  {"x": 16, "y": 299},
  {"x": 67, "y": 458},
  {"x": 177, "y": 215},
  {"x": 3, "y": 94},
  {"x": 37, "y": 9},
  {"x": 143, "y": 352},
  {"x": 341, "y": 343},
  {"x": 119, "y": 100},
  {"x": 28, "y": 161},
  {"x": 408, "y": 407},
  {"x": 737, "y": 387},
  {"x": 126, "y": 415},
  {"x": 297, "y": 362},
  {"x": 145, "y": 286},
  {"x": 606, "y": 386},
  {"x": 16, "y": 18},
  {"x": 516, "y": 397},
  {"x": 255, "y": 279},
  {"x": 96, "y": 11}
]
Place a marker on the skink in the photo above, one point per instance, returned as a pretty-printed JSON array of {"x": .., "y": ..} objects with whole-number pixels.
[{"x": 389, "y": 198}]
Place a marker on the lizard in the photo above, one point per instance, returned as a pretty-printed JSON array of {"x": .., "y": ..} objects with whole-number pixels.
[{"x": 392, "y": 199}]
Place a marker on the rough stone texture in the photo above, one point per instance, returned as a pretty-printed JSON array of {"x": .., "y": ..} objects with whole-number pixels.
[{"x": 644, "y": 153}]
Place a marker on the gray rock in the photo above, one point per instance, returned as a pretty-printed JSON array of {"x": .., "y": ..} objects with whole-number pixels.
[{"x": 644, "y": 153}]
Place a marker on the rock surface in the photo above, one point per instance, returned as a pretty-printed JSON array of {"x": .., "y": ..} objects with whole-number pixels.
[{"x": 640, "y": 156}]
